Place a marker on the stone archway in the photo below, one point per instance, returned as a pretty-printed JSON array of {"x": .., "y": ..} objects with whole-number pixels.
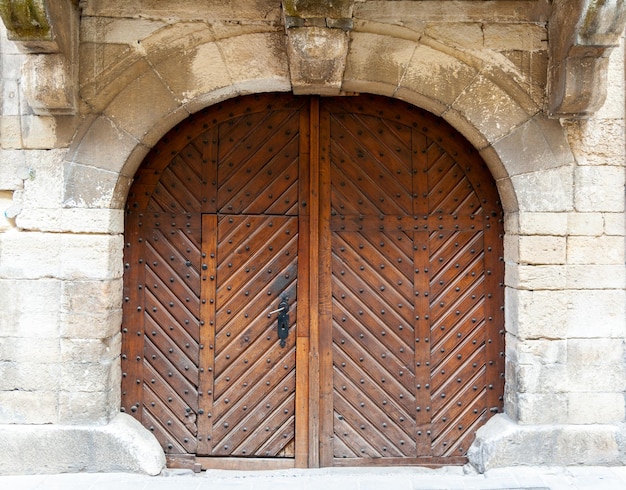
[{"x": 476, "y": 97}]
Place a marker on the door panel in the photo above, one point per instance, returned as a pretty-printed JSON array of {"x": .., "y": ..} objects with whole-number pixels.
[
  {"x": 409, "y": 269},
  {"x": 380, "y": 226},
  {"x": 250, "y": 381}
]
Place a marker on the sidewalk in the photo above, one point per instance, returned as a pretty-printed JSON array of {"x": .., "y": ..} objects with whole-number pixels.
[{"x": 450, "y": 478}]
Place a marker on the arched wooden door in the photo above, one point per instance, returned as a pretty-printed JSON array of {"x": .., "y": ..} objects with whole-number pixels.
[{"x": 368, "y": 232}]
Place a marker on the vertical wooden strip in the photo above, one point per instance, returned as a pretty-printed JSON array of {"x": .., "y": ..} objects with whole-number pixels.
[
  {"x": 421, "y": 287},
  {"x": 494, "y": 317},
  {"x": 133, "y": 318},
  {"x": 209, "y": 170},
  {"x": 207, "y": 333},
  {"x": 304, "y": 305},
  {"x": 323, "y": 263}
]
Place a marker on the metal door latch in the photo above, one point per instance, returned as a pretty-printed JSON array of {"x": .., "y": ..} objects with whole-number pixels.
[{"x": 283, "y": 320}]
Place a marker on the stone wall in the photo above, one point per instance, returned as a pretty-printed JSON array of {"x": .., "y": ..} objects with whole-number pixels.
[{"x": 482, "y": 66}]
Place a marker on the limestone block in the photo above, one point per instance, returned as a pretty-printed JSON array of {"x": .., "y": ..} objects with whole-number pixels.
[
  {"x": 262, "y": 69},
  {"x": 538, "y": 352},
  {"x": 599, "y": 189},
  {"x": 43, "y": 178},
  {"x": 595, "y": 408},
  {"x": 501, "y": 442},
  {"x": 200, "y": 71},
  {"x": 597, "y": 141},
  {"x": 589, "y": 224},
  {"x": 144, "y": 100},
  {"x": 20, "y": 349},
  {"x": 542, "y": 250},
  {"x": 593, "y": 314},
  {"x": 29, "y": 308},
  {"x": 537, "y": 314},
  {"x": 29, "y": 376},
  {"x": 13, "y": 165},
  {"x": 121, "y": 445},
  {"x": 27, "y": 407},
  {"x": 601, "y": 379},
  {"x": 465, "y": 35},
  {"x": 543, "y": 223},
  {"x": 6, "y": 203},
  {"x": 39, "y": 255},
  {"x": 87, "y": 376},
  {"x": 117, "y": 31},
  {"x": 541, "y": 408},
  {"x": 437, "y": 75},
  {"x": 111, "y": 68},
  {"x": 542, "y": 143},
  {"x": 509, "y": 36},
  {"x": 11, "y": 132},
  {"x": 613, "y": 107},
  {"x": 90, "y": 350},
  {"x": 594, "y": 352},
  {"x": 535, "y": 277},
  {"x": 77, "y": 407},
  {"x": 91, "y": 296},
  {"x": 595, "y": 250},
  {"x": 10, "y": 102},
  {"x": 98, "y": 324},
  {"x": 548, "y": 190},
  {"x": 72, "y": 220},
  {"x": 103, "y": 145},
  {"x": 493, "y": 111},
  {"x": 378, "y": 61},
  {"x": 437, "y": 11},
  {"x": 542, "y": 378},
  {"x": 186, "y": 10},
  {"x": 614, "y": 223},
  {"x": 595, "y": 277},
  {"x": 92, "y": 187}
]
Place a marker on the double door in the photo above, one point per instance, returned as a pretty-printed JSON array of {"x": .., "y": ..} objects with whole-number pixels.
[{"x": 313, "y": 282}]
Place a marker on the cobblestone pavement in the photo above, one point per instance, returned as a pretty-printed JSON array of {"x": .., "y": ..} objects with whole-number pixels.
[{"x": 451, "y": 478}]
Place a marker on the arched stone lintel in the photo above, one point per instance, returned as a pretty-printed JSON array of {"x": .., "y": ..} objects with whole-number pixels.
[{"x": 485, "y": 106}]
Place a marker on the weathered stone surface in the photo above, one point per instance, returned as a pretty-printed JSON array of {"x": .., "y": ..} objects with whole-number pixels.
[
  {"x": 597, "y": 313},
  {"x": 121, "y": 445},
  {"x": 27, "y": 407},
  {"x": 545, "y": 190},
  {"x": 541, "y": 141},
  {"x": 599, "y": 189},
  {"x": 437, "y": 74},
  {"x": 595, "y": 249},
  {"x": 317, "y": 59},
  {"x": 143, "y": 101},
  {"x": 261, "y": 70},
  {"x": 595, "y": 408},
  {"x": 502, "y": 442},
  {"x": 42, "y": 255},
  {"x": 72, "y": 220},
  {"x": 537, "y": 314},
  {"x": 29, "y": 308},
  {"x": 535, "y": 277},
  {"x": 377, "y": 61},
  {"x": 542, "y": 250}
]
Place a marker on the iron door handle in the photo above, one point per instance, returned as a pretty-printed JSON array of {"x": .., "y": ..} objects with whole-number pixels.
[{"x": 283, "y": 321}]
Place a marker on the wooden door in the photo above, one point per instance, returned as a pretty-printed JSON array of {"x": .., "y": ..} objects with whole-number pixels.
[
  {"x": 372, "y": 226},
  {"x": 412, "y": 338}
]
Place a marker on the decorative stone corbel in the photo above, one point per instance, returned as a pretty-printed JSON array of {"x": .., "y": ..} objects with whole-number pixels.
[
  {"x": 317, "y": 44},
  {"x": 582, "y": 34},
  {"x": 47, "y": 31}
]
